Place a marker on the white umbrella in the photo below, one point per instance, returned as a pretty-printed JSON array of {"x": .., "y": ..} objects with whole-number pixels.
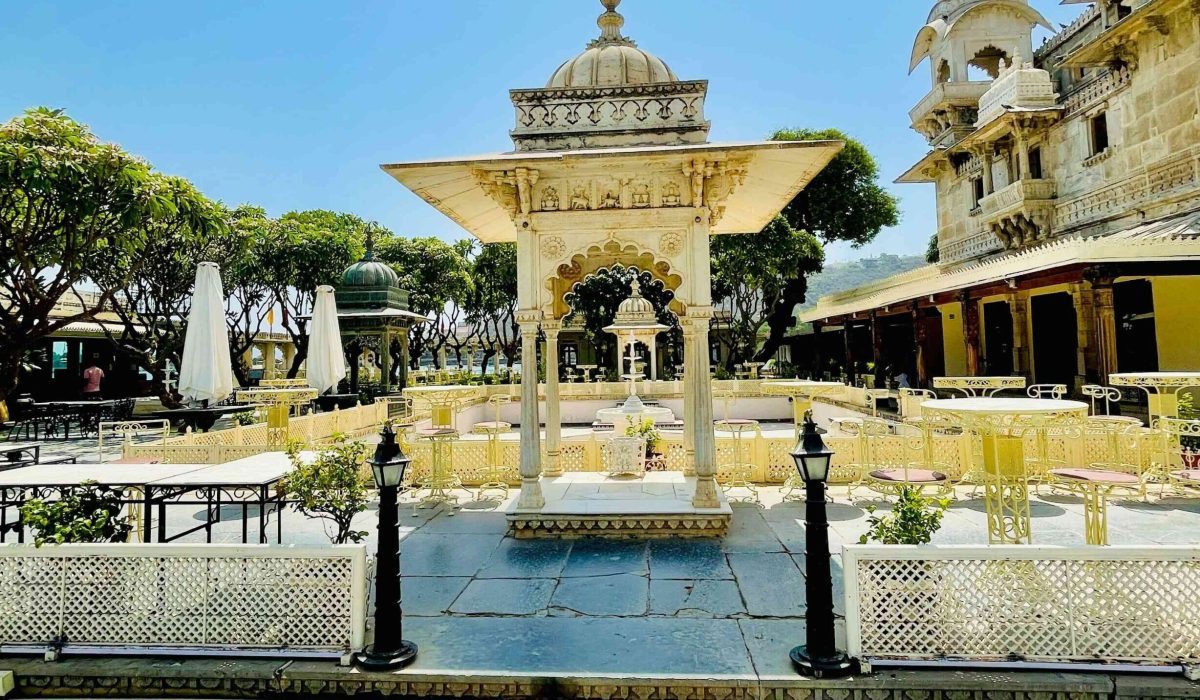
[
  {"x": 205, "y": 374},
  {"x": 326, "y": 362}
]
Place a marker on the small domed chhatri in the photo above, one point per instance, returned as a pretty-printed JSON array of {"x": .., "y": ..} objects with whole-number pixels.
[
  {"x": 635, "y": 308},
  {"x": 611, "y": 59},
  {"x": 369, "y": 272}
]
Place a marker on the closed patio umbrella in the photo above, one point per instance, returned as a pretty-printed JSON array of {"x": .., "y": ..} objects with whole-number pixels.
[
  {"x": 206, "y": 374},
  {"x": 326, "y": 361}
]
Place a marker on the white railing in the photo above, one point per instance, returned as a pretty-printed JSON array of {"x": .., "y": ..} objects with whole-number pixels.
[
  {"x": 187, "y": 599},
  {"x": 1023, "y": 603}
]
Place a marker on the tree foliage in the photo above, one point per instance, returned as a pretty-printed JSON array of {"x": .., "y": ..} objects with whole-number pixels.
[
  {"x": 73, "y": 210},
  {"x": 83, "y": 514},
  {"x": 844, "y": 202},
  {"x": 308, "y": 249},
  {"x": 330, "y": 487},
  {"x": 436, "y": 274},
  {"x": 493, "y": 306},
  {"x": 595, "y": 300}
]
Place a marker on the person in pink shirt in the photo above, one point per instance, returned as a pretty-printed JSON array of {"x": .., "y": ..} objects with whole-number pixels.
[{"x": 92, "y": 377}]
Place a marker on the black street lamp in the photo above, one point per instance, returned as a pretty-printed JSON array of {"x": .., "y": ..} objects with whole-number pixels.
[
  {"x": 819, "y": 656},
  {"x": 390, "y": 651}
]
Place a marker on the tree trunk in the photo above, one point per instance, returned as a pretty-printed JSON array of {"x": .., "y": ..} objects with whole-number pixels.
[
  {"x": 301, "y": 355},
  {"x": 781, "y": 319}
]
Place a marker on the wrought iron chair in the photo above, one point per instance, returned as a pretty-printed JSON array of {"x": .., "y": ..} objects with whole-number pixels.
[
  {"x": 869, "y": 433},
  {"x": 928, "y": 472},
  {"x": 1177, "y": 457},
  {"x": 1046, "y": 391},
  {"x": 911, "y": 400},
  {"x": 1108, "y": 394},
  {"x": 1117, "y": 471},
  {"x": 738, "y": 470}
]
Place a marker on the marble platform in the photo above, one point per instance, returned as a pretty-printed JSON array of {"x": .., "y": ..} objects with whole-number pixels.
[{"x": 658, "y": 504}]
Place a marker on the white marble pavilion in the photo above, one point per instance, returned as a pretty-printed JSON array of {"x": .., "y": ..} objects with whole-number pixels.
[{"x": 612, "y": 164}]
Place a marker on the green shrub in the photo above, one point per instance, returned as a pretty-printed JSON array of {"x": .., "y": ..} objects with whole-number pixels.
[
  {"x": 913, "y": 520},
  {"x": 331, "y": 487},
  {"x": 245, "y": 418},
  {"x": 84, "y": 514},
  {"x": 647, "y": 430}
]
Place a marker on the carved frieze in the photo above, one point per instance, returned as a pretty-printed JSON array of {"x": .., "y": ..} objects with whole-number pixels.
[{"x": 671, "y": 243}]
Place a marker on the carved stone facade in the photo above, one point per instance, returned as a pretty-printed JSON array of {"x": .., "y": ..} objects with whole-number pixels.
[{"x": 1097, "y": 133}]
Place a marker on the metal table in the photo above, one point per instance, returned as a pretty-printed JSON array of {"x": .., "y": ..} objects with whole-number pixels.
[
  {"x": 148, "y": 490},
  {"x": 201, "y": 418},
  {"x": 12, "y": 452},
  {"x": 1162, "y": 389},
  {"x": 1001, "y": 425}
]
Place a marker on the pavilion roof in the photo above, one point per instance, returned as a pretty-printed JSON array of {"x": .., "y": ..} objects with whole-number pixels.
[{"x": 775, "y": 171}]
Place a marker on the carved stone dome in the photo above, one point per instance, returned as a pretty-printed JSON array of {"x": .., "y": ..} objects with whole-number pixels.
[
  {"x": 612, "y": 59},
  {"x": 635, "y": 308}
]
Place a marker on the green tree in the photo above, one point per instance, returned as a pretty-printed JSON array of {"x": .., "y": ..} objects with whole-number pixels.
[
  {"x": 595, "y": 300},
  {"x": 436, "y": 274},
  {"x": 751, "y": 274},
  {"x": 933, "y": 253},
  {"x": 844, "y": 202},
  {"x": 154, "y": 305},
  {"x": 492, "y": 309},
  {"x": 250, "y": 295},
  {"x": 308, "y": 249},
  {"x": 74, "y": 212}
]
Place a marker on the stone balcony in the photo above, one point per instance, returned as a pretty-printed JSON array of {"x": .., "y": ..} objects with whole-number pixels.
[
  {"x": 949, "y": 111},
  {"x": 1020, "y": 213}
]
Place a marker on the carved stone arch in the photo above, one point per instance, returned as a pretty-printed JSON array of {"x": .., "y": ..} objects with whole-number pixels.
[{"x": 604, "y": 255}]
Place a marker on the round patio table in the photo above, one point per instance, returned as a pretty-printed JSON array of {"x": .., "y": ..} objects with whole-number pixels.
[
  {"x": 444, "y": 401},
  {"x": 1162, "y": 389},
  {"x": 1002, "y": 425}
]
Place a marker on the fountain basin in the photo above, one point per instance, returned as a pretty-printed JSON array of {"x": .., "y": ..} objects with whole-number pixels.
[{"x": 622, "y": 419}]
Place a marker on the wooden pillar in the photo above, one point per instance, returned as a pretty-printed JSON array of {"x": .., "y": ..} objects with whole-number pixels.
[
  {"x": 818, "y": 355},
  {"x": 878, "y": 352},
  {"x": 920, "y": 338},
  {"x": 970, "y": 315},
  {"x": 1086, "y": 365},
  {"x": 851, "y": 373},
  {"x": 1018, "y": 306},
  {"x": 1105, "y": 329}
]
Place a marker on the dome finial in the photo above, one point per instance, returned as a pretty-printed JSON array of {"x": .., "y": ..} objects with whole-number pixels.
[
  {"x": 635, "y": 288},
  {"x": 369, "y": 243},
  {"x": 610, "y": 24}
]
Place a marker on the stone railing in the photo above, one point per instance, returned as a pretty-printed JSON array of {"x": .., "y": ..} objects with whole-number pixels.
[
  {"x": 220, "y": 446},
  {"x": 1022, "y": 603},
  {"x": 179, "y": 600},
  {"x": 560, "y": 112},
  {"x": 1016, "y": 195},
  {"x": 1017, "y": 86},
  {"x": 973, "y": 246},
  {"x": 1170, "y": 178},
  {"x": 1095, "y": 90},
  {"x": 942, "y": 94}
]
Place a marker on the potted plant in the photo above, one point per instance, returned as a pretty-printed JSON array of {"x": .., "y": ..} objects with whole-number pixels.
[
  {"x": 913, "y": 520},
  {"x": 648, "y": 431}
]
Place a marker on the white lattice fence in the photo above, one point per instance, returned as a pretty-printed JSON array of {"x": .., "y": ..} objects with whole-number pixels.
[
  {"x": 1022, "y": 603},
  {"x": 184, "y": 599}
]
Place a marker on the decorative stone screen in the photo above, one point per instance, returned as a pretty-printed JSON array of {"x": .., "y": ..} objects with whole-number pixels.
[
  {"x": 181, "y": 599},
  {"x": 1023, "y": 603}
]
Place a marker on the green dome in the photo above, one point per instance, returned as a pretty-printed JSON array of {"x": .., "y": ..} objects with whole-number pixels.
[{"x": 369, "y": 272}]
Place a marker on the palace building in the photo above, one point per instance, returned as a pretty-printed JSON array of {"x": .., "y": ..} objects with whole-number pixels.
[{"x": 1068, "y": 202}]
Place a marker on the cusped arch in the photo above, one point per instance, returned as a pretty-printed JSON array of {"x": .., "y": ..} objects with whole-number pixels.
[{"x": 605, "y": 255}]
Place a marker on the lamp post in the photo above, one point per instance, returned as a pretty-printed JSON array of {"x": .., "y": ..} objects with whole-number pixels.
[
  {"x": 390, "y": 651},
  {"x": 818, "y": 656}
]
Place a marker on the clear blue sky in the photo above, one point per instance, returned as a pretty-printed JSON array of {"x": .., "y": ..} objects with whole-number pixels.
[{"x": 293, "y": 104}]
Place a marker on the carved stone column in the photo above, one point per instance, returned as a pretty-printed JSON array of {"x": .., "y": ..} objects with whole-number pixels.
[
  {"x": 553, "y": 419},
  {"x": 403, "y": 358},
  {"x": 689, "y": 402},
  {"x": 531, "y": 458},
  {"x": 985, "y": 158},
  {"x": 1106, "y": 329},
  {"x": 702, "y": 426},
  {"x": 920, "y": 340},
  {"x": 1018, "y": 306},
  {"x": 970, "y": 314}
]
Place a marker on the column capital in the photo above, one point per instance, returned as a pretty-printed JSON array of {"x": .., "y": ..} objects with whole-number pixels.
[
  {"x": 699, "y": 313},
  {"x": 529, "y": 317},
  {"x": 551, "y": 327}
]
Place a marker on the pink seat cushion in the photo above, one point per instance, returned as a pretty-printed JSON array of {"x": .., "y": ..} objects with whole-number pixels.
[
  {"x": 137, "y": 460},
  {"x": 910, "y": 476},
  {"x": 1102, "y": 475},
  {"x": 1188, "y": 475}
]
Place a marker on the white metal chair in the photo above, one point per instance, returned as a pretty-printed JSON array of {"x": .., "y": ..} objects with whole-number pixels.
[
  {"x": 1046, "y": 391},
  {"x": 1108, "y": 394},
  {"x": 911, "y": 400},
  {"x": 626, "y": 456},
  {"x": 126, "y": 430}
]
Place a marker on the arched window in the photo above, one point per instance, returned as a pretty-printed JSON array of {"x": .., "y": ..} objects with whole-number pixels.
[
  {"x": 985, "y": 64},
  {"x": 943, "y": 72}
]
